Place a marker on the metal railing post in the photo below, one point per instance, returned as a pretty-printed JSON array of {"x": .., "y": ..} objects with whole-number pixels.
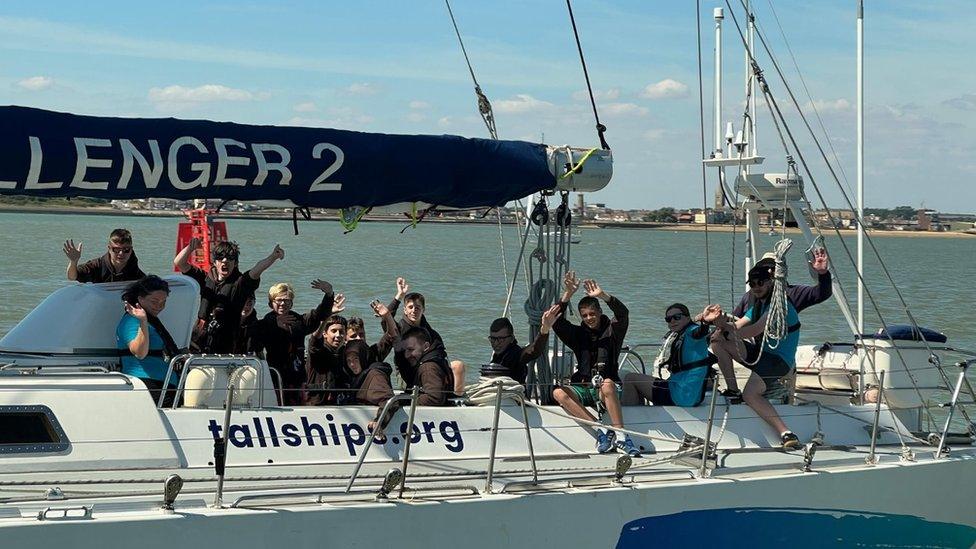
[
  {"x": 528, "y": 438},
  {"x": 871, "y": 460},
  {"x": 408, "y": 437},
  {"x": 369, "y": 442},
  {"x": 952, "y": 407},
  {"x": 494, "y": 436},
  {"x": 220, "y": 447},
  {"x": 703, "y": 468}
]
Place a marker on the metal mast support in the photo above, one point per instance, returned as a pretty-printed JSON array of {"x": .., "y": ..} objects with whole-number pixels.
[
  {"x": 860, "y": 167},
  {"x": 719, "y": 15},
  {"x": 751, "y": 83}
]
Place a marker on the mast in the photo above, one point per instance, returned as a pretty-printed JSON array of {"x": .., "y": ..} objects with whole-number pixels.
[
  {"x": 860, "y": 166},
  {"x": 751, "y": 81},
  {"x": 719, "y": 15}
]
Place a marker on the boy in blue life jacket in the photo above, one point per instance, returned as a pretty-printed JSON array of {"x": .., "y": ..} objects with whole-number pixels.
[
  {"x": 769, "y": 363},
  {"x": 686, "y": 355}
]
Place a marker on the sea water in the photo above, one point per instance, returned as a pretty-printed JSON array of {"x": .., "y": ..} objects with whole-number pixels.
[{"x": 459, "y": 268}]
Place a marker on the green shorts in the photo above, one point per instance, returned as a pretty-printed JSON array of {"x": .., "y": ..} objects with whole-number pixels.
[{"x": 588, "y": 395}]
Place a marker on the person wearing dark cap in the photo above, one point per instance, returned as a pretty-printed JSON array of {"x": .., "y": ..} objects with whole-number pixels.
[
  {"x": 769, "y": 361},
  {"x": 118, "y": 264}
]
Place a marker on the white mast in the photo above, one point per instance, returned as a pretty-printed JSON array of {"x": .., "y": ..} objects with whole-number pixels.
[
  {"x": 751, "y": 82},
  {"x": 860, "y": 166},
  {"x": 719, "y": 15}
]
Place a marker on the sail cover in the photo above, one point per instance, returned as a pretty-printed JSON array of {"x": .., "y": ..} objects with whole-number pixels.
[{"x": 51, "y": 154}]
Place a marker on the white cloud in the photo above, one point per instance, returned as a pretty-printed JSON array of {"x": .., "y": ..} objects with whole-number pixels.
[
  {"x": 826, "y": 105},
  {"x": 612, "y": 94},
  {"x": 36, "y": 83},
  {"x": 419, "y": 105},
  {"x": 361, "y": 89},
  {"x": 522, "y": 103},
  {"x": 965, "y": 102},
  {"x": 623, "y": 109},
  {"x": 307, "y": 106},
  {"x": 177, "y": 97},
  {"x": 665, "y": 89},
  {"x": 653, "y": 134},
  {"x": 416, "y": 117},
  {"x": 445, "y": 122}
]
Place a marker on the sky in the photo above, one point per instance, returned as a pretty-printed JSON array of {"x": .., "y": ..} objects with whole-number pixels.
[{"x": 396, "y": 67}]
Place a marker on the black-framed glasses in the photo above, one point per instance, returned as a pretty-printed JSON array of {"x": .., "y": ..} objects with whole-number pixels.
[
  {"x": 228, "y": 257},
  {"x": 675, "y": 316},
  {"x": 495, "y": 339}
]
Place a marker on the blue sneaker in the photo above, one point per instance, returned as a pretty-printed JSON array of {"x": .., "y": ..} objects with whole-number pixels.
[
  {"x": 605, "y": 442},
  {"x": 628, "y": 447}
]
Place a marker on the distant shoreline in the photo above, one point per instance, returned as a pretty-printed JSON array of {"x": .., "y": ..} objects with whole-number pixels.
[{"x": 589, "y": 224}]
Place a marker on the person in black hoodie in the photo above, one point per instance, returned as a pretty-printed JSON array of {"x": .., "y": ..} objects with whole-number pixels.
[
  {"x": 118, "y": 264},
  {"x": 596, "y": 342},
  {"x": 512, "y": 357},
  {"x": 425, "y": 366},
  {"x": 414, "y": 306},
  {"x": 223, "y": 292},
  {"x": 281, "y": 335},
  {"x": 325, "y": 369}
]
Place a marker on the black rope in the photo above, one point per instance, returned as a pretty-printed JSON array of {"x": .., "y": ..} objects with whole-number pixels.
[
  {"x": 306, "y": 214},
  {"x": 484, "y": 106},
  {"x": 600, "y": 128},
  {"x": 701, "y": 121}
]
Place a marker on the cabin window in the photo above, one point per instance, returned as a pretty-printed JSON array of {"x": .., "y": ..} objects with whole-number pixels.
[{"x": 30, "y": 429}]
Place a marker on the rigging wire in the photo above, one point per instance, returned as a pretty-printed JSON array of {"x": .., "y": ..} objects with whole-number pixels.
[
  {"x": 778, "y": 112},
  {"x": 701, "y": 121},
  {"x": 600, "y": 128},
  {"x": 484, "y": 106}
]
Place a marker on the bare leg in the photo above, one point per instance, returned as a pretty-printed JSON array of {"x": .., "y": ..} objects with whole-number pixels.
[
  {"x": 637, "y": 389},
  {"x": 570, "y": 402},
  {"x": 753, "y": 396},
  {"x": 457, "y": 367},
  {"x": 725, "y": 351},
  {"x": 608, "y": 393}
]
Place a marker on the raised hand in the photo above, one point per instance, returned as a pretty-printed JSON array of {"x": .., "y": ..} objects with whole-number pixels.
[
  {"x": 570, "y": 283},
  {"x": 194, "y": 244},
  {"x": 820, "y": 262},
  {"x": 277, "y": 253},
  {"x": 379, "y": 309},
  {"x": 322, "y": 285},
  {"x": 339, "y": 304},
  {"x": 136, "y": 311},
  {"x": 402, "y": 287},
  {"x": 73, "y": 253},
  {"x": 593, "y": 289},
  {"x": 549, "y": 317}
]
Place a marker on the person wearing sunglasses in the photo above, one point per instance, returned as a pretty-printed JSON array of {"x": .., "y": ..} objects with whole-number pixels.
[
  {"x": 512, "y": 357},
  {"x": 770, "y": 362},
  {"x": 118, "y": 264},
  {"x": 685, "y": 354},
  {"x": 223, "y": 293}
]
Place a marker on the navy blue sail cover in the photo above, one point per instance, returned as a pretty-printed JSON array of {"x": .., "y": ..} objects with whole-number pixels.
[{"x": 51, "y": 154}]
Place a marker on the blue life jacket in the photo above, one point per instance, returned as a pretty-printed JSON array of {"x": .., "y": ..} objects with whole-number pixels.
[
  {"x": 687, "y": 381},
  {"x": 786, "y": 347}
]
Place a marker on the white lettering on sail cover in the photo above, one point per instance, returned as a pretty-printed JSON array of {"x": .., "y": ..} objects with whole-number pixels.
[
  {"x": 264, "y": 166},
  {"x": 130, "y": 154},
  {"x": 224, "y": 160},
  {"x": 34, "y": 173},
  {"x": 202, "y": 167},
  {"x": 83, "y": 162},
  {"x": 320, "y": 183}
]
